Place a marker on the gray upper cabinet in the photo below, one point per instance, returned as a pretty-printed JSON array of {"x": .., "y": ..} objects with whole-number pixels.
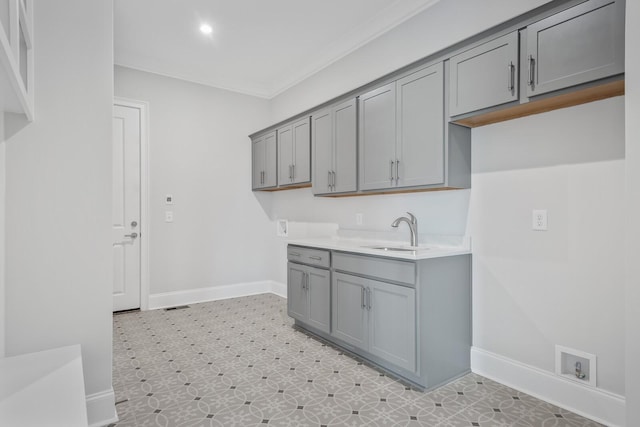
[
  {"x": 334, "y": 142},
  {"x": 484, "y": 76},
  {"x": 264, "y": 163},
  {"x": 294, "y": 153},
  {"x": 402, "y": 132},
  {"x": 378, "y": 138},
  {"x": 578, "y": 45},
  {"x": 420, "y": 128}
]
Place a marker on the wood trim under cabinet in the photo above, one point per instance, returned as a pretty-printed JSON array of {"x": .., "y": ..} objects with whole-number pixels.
[{"x": 582, "y": 96}]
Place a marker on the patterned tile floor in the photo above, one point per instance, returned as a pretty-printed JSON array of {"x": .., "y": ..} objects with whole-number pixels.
[{"x": 239, "y": 362}]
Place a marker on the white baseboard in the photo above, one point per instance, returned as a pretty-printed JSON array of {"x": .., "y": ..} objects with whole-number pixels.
[
  {"x": 214, "y": 293},
  {"x": 101, "y": 408},
  {"x": 599, "y": 405}
]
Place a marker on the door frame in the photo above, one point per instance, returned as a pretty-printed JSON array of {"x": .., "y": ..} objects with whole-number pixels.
[{"x": 143, "y": 106}]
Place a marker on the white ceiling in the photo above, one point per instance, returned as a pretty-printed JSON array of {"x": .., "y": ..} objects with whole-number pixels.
[{"x": 258, "y": 47}]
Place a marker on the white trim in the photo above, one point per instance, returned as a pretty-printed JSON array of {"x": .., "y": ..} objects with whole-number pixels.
[
  {"x": 597, "y": 404},
  {"x": 214, "y": 293},
  {"x": 101, "y": 408},
  {"x": 143, "y": 106},
  {"x": 563, "y": 352}
]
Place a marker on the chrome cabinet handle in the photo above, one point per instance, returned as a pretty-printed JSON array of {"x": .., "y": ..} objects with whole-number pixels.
[
  {"x": 317, "y": 258},
  {"x": 397, "y": 170},
  {"x": 510, "y": 81},
  {"x": 362, "y": 304},
  {"x": 293, "y": 172},
  {"x": 532, "y": 62},
  {"x": 294, "y": 254},
  {"x": 369, "y": 299},
  {"x": 132, "y": 235},
  {"x": 305, "y": 280},
  {"x": 329, "y": 180},
  {"x": 333, "y": 180},
  {"x": 391, "y": 171}
]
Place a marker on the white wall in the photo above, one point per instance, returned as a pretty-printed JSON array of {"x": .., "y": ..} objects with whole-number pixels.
[
  {"x": 532, "y": 289},
  {"x": 200, "y": 153},
  {"x": 58, "y": 195},
  {"x": 2, "y": 233},
  {"x": 569, "y": 161},
  {"x": 632, "y": 224}
]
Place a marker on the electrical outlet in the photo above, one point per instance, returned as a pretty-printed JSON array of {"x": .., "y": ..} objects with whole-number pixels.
[
  {"x": 168, "y": 216},
  {"x": 540, "y": 220},
  {"x": 358, "y": 219}
]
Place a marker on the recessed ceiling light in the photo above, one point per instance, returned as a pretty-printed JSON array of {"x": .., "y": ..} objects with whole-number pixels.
[{"x": 206, "y": 29}]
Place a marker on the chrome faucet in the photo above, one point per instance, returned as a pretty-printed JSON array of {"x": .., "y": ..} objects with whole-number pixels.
[{"x": 413, "y": 226}]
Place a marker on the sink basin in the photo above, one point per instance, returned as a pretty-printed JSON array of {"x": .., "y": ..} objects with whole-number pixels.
[{"x": 394, "y": 248}]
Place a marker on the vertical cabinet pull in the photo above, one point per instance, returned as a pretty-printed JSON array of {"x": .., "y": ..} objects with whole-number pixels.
[
  {"x": 369, "y": 299},
  {"x": 333, "y": 180},
  {"x": 329, "y": 179},
  {"x": 293, "y": 171},
  {"x": 391, "y": 171},
  {"x": 532, "y": 63},
  {"x": 397, "y": 170},
  {"x": 362, "y": 303},
  {"x": 510, "y": 80}
]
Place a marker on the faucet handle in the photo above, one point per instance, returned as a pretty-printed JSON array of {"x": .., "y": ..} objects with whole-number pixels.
[{"x": 413, "y": 218}]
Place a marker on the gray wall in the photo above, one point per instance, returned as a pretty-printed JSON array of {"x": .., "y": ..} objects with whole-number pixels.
[
  {"x": 58, "y": 193},
  {"x": 632, "y": 225},
  {"x": 199, "y": 152}
]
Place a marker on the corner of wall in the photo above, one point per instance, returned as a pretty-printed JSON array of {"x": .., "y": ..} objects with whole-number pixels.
[{"x": 2, "y": 238}]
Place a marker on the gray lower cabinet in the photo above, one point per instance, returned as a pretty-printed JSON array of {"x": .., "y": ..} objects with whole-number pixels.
[
  {"x": 411, "y": 318},
  {"x": 377, "y": 317},
  {"x": 264, "y": 162},
  {"x": 484, "y": 76},
  {"x": 308, "y": 295},
  {"x": 294, "y": 153},
  {"x": 578, "y": 45},
  {"x": 402, "y": 142},
  {"x": 334, "y": 143}
]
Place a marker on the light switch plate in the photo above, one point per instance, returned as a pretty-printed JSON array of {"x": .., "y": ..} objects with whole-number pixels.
[
  {"x": 168, "y": 216},
  {"x": 539, "y": 219}
]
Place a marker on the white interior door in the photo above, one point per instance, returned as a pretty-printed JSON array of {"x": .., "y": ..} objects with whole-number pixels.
[{"x": 126, "y": 207}]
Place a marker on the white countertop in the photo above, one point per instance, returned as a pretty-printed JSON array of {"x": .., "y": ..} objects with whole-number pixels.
[{"x": 365, "y": 246}]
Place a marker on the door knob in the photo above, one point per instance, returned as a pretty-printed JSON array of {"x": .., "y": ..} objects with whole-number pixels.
[
  {"x": 132, "y": 235},
  {"x": 134, "y": 223}
]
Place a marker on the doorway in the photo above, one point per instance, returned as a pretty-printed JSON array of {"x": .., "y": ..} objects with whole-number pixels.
[{"x": 129, "y": 214}]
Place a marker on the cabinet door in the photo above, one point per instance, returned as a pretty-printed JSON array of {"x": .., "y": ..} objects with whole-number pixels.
[
  {"x": 322, "y": 141},
  {"x": 257, "y": 165},
  {"x": 378, "y": 138},
  {"x": 319, "y": 289},
  {"x": 420, "y": 146},
  {"x": 345, "y": 136},
  {"x": 484, "y": 76},
  {"x": 301, "y": 170},
  {"x": 285, "y": 155},
  {"x": 270, "y": 160},
  {"x": 297, "y": 298},
  {"x": 348, "y": 311},
  {"x": 581, "y": 44},
  {"x": 392, "y": 323}
]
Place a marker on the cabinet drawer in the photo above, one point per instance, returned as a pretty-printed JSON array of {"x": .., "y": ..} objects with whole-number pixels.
[
  {"x": 388, "y": 269},
  {"x": 316, "y": 257}
]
